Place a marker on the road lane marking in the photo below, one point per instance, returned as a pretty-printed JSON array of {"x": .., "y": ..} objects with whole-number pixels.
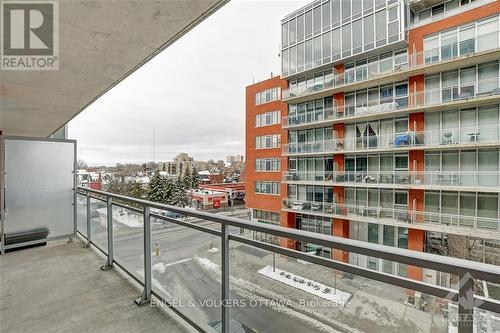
[{"x": 178, "y": 262}]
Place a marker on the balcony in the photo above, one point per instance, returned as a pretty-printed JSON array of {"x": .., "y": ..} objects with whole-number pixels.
[
  {"x": 206, "y": 269},
  {"x": 457, "y": 180},
  {"x": 219, "y": 254},
  {"x": 60, "y": 288},
  {"x": 475, "y": 93},
  {"x": 437, "y": 139},
  {"x": 327, "y": 114},
  {"x": 446, "y": 138},
  {"x": 311, "y": 148},
  {"x": 400, "y": 215},
  {"x": 213, "y": 259},
  {"x": 378, "y": 72}
]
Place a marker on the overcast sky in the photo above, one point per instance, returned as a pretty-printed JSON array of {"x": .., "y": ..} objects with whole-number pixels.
[{"x": 193, "y": 93}]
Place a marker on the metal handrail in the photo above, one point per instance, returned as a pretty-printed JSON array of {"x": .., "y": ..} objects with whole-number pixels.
[{"x": 468, "y": 270}]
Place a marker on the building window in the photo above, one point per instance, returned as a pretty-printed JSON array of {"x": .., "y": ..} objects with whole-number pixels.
[
  {"x": 462, "y": 40},
  {"x": 268, "y": 118},
  {"x": 462, "y": 83},
  {"x": 268, "y": 95},
  {"x": 267, "y": 141},
  {"x": 267, "y": 187},
  {"x": 267, "y": 164},
  {"x": 464, "y": 208},
  {"x": 441, "y": 8},
  {"x": 339, "y": 29},
  {"x": 318, "y": 224},
  {"x": 266, "y": 216},
  {"x": 362, "y": 69}
]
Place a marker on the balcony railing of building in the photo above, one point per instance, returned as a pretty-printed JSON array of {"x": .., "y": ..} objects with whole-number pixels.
[
  {"x": 113, "y": 206},
  {"x": 431, "y": 97},
  {"x": 396, "y": 65},
  {"x": 466, "y": 135},
  {"x": 394, "y": 214},
  {"x": 403, "y": 178},
  {"x": 431, "y": 138}
]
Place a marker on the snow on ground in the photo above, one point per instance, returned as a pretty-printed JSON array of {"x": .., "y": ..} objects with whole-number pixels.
[
  {"x": 156, "y": 283},
  {"x": 309, "y": 286},
  {"x": 207, "y": 264},
  {"x": 274, "y": 301},
  {"x": 213, "y": 250},
  {"x": 132, "y": 220},
  {"x": 160, "y": 267}
]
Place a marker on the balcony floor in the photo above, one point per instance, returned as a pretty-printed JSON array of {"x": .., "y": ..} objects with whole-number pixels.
[{"x": 61, "y": 288}]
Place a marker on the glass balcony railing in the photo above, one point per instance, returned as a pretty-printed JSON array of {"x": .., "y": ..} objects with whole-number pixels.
[
  {"x": 430, "y": 97},
  {"x": 312, "y": 147},
  {"x": 393, "y": 214},
  {"x": 391, "y": 66},
  {"x": 245, "y": 286},
  {"x": 310, "y": 117},
  {"x": 467, "y": 135},
  {"x": 408, "y": 178}
]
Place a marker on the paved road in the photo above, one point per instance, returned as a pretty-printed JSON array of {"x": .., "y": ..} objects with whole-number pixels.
[{"x": 182, "y": 278}]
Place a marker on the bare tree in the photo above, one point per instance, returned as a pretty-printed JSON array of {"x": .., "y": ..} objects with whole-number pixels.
[{"x": 81, "y": 164}]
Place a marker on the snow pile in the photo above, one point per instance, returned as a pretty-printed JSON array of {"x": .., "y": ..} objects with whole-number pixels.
[
  {"x": 160, "y": 267},
  {"x": 213, "y": 250},
  {"x": 309, "y": 286},
  {"x": 132, "y": 220},
  {"x": 207, "y": 264}
]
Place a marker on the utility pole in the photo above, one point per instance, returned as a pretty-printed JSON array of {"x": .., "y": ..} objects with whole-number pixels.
[{"x": 154, "y": 145}]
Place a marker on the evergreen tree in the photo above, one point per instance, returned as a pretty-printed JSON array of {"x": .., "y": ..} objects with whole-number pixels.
[
  {"x": 195, "y": 178},
  {"x": 180, "y": 196},
  {"x": 158, "y": 188},
  {"x": 136, "y": 190},
  {"x": 186, "y": 178},
  {"x": 114, "y": 186}
]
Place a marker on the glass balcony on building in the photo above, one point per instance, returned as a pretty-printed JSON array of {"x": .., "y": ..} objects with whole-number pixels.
[
  {"x": 372, "y": 139},
  {"x": 311, "y": 147},
  {"x": 489, "y": 180},
  {"x": 323, "y": 34},
  {"x": 395, "y": 98},
  {"x": 394, "y": 64},
  {"x": 396, "y": 214}
]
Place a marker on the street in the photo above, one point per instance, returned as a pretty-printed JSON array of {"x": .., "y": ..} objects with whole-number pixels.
[{"x": 177, "y": 275}]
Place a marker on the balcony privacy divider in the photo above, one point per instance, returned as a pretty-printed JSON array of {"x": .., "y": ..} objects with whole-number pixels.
[{"x": 39, "y": 195}]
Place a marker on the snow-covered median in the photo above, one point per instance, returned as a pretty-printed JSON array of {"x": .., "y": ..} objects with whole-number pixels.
[
  {"x": 309, "y": 286},
  {"x": 207, "y": 264},
  {"x": 132, "y": 220}
]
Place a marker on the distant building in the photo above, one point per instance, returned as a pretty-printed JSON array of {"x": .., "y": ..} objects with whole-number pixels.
[
  {"x": 208, "y": 199},
  {"x": 234, "y": 158},
  {"x": 181, "y": 163},
  {"x": 208, "y": 177}
]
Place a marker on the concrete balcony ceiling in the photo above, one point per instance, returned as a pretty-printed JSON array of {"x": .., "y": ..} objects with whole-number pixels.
[{"x": 100, "y": 44}]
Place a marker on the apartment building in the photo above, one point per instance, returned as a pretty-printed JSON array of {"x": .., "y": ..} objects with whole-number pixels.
[
  {"x": 389, "y": 131},
  {"x": 264, "y": 138}
]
